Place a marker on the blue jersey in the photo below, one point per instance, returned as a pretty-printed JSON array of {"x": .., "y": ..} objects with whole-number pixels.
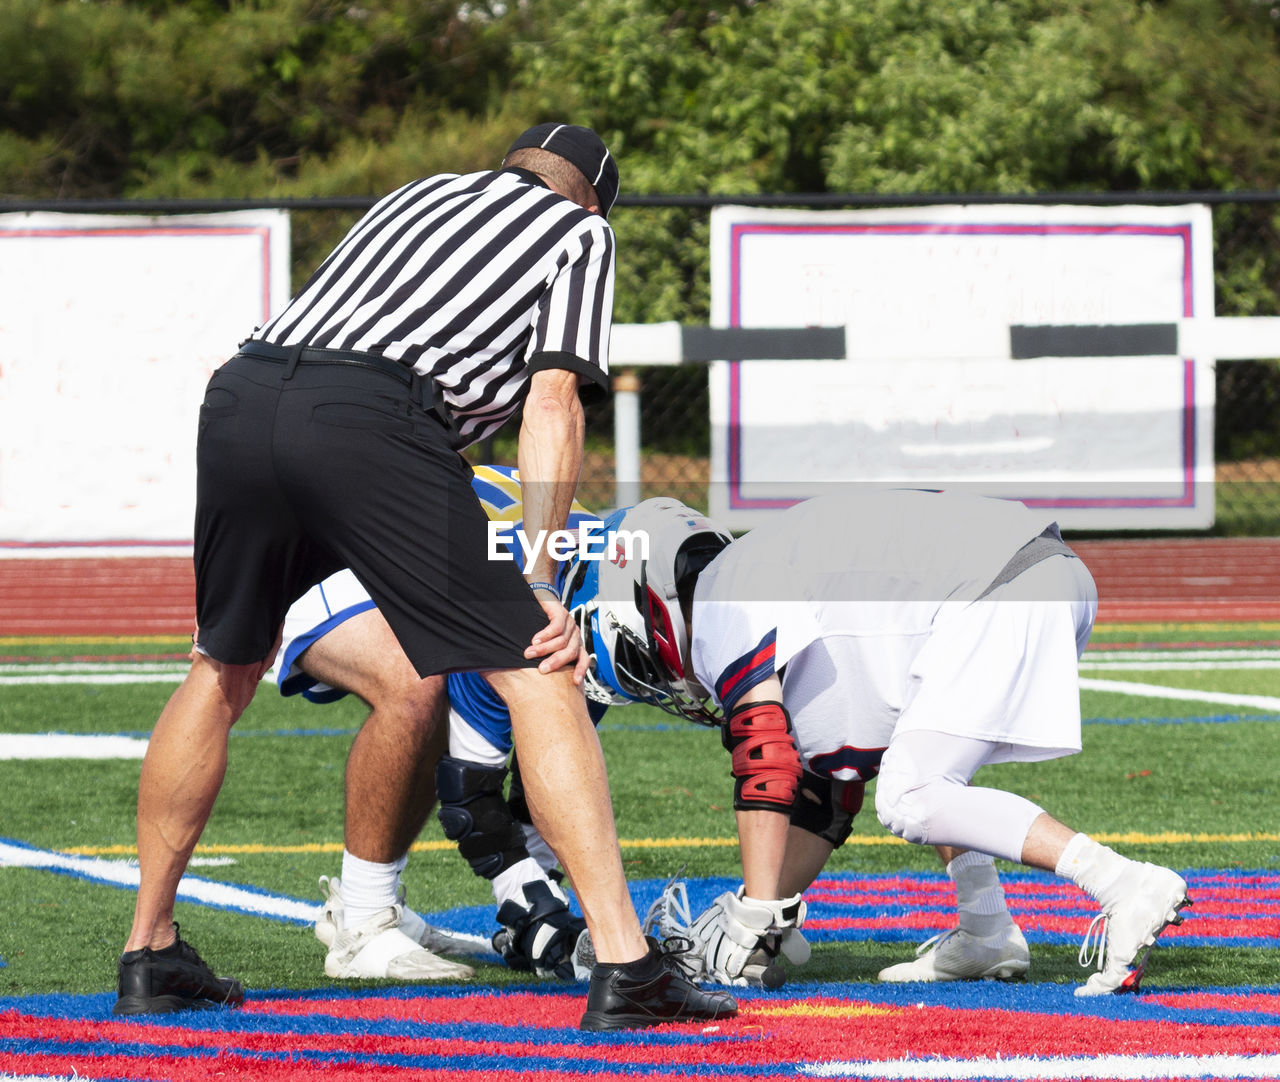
[
  {"x": 341, "y": 597},
  {"x": 470, "y": 695}
]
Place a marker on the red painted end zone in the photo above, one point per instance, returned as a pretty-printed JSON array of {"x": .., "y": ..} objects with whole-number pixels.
[{"x": 482, "y": 1037}]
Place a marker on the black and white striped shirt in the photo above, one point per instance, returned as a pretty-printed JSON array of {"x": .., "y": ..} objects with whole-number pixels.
[{"x": 477, "y": 281}]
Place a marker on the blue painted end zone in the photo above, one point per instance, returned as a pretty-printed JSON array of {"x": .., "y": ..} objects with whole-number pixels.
[{"x": 1257, "y": 1004}]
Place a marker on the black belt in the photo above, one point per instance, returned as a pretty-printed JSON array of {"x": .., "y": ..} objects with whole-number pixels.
[
  {"x": 422, "y": 387},
  {"x": 294, "y": 355}
]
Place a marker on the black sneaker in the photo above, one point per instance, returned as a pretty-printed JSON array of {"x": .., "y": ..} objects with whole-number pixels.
[
  {"x": 172, "y": 979},
  {"x": 648, "y": 992}
]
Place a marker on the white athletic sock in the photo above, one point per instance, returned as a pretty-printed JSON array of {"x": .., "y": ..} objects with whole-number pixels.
[
  {"x": 368, "y": 887},
  {"x": 1092, "y": 867},
  {"x": 980, "y": 900},
  {"x": 509, "y": 885}
]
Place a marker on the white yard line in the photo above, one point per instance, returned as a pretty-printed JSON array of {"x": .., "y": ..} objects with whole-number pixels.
[
  {"x": 1178, "y": 660},
  {"x": 70, "y": 746},
  {"x": 1159, "y": 691},
  {"x": 49, "y": 668},
  {"x": 93, "y": 672},
  {"x": 92, "y": 678},
  {"x": 1184, "y": 655},
  {"x": 225, "y": 896},
  {"x": 1175, "y": 666},
  {"x": 124, "y": 874},
  {"x": 97, "y": 672},
  {"x": 41, "y": 1078}
]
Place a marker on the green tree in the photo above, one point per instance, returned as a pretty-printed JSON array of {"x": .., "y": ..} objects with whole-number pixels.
[
  {"x": 162, "y": 98},
  {"x": 888, "y": 96},
  {"x": 315, "y": 97}
]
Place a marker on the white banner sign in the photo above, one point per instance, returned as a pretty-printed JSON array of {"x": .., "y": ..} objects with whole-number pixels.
[
  {"x": 109, "y": 329},
  {"x": 929, "y": 394}
]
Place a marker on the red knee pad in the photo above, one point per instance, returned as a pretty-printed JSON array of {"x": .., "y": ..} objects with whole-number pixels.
[{"x": 766, "y": 765}]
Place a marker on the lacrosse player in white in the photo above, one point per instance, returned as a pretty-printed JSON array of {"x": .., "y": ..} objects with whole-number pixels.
[{"x": 917, "y": 635}]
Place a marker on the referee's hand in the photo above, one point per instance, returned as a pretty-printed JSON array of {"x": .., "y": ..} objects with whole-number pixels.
[{"x": 559, "y": 644}]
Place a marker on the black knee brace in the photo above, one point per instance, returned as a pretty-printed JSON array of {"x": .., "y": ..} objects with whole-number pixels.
[
  {"x": 826, "y": 808},
  {"x": 515, "y": 795},
  {"x": 474, "y": 813}
]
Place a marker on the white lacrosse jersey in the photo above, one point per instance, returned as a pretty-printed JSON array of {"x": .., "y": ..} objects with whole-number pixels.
[{"x": 838, "y": 595}]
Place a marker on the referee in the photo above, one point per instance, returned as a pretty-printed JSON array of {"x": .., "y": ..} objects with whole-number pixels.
[{"x": 331, "y": 440}]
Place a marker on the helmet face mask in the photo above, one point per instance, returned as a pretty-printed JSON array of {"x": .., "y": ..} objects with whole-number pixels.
[
  {"x": 627, "y": 606},
  {"x": 602, "y": 683}
]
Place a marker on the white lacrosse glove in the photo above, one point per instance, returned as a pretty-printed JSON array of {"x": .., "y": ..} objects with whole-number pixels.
[{"x": 739, "y": 939}]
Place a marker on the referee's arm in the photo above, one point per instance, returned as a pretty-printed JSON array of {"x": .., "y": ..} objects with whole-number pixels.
[
  {"x": 550, "y": 459},
  {"x": 569, "y": 353}
]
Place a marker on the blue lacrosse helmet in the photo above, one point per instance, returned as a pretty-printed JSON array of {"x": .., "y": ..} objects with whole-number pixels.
[
  {"x": 580, "y": 593},
  {"x": 625, "y": 596}
]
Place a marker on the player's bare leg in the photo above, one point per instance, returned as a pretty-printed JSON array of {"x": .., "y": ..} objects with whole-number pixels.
[
  {"x": 806, "y": 856},
  {"x": 1045, "y": 842},
  {"x": 563, "y": 770},
  {"x": 182, "y": 772},
  {"x": 390, "y": 775},
  {"x": 389, "y": 792}
]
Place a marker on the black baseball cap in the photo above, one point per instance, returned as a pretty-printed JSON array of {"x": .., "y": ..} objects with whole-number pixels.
[{"x": 583, "y": 149}]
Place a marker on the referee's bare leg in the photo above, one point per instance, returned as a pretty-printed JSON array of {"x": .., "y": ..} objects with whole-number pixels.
[
  {"x": 563, "y": 770},
  {"x": 181, "y": 774}
]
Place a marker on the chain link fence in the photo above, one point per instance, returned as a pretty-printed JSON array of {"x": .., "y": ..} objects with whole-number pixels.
[
  {"x": 1247, "y": 448},
  {"x": 676, "y": 444},
  {"x": 675, "y": 418},
  {"x": 675, "y": 425}
]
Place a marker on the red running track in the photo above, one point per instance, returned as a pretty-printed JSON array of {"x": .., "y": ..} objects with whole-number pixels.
[{"x": 1218, "y": 579}]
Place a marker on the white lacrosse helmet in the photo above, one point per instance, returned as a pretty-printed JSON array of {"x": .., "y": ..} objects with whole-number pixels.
[{"x": 627, "y": 603}]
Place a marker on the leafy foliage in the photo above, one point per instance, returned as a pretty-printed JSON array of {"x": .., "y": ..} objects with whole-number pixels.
[
  {"x": 891, "y": 96},
  {"x": 295, "y": 98},
  {"x": 147, "y": 97}
]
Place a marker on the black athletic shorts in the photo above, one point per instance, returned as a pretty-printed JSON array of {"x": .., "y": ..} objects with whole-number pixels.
[{"x": 337, "y": 466}]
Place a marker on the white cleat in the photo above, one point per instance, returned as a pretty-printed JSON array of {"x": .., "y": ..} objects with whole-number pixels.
[
  {"x": 957, "y": 955},
  {"x": 329, "y": 923},
  {"x": 434, "y": 939},
  {"x": 378, "y": 948},
  {"x": 1122, "y": 935}
]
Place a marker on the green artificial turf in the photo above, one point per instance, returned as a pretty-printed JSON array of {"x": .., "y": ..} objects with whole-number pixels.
[{"x": 1162, "y": 779}]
